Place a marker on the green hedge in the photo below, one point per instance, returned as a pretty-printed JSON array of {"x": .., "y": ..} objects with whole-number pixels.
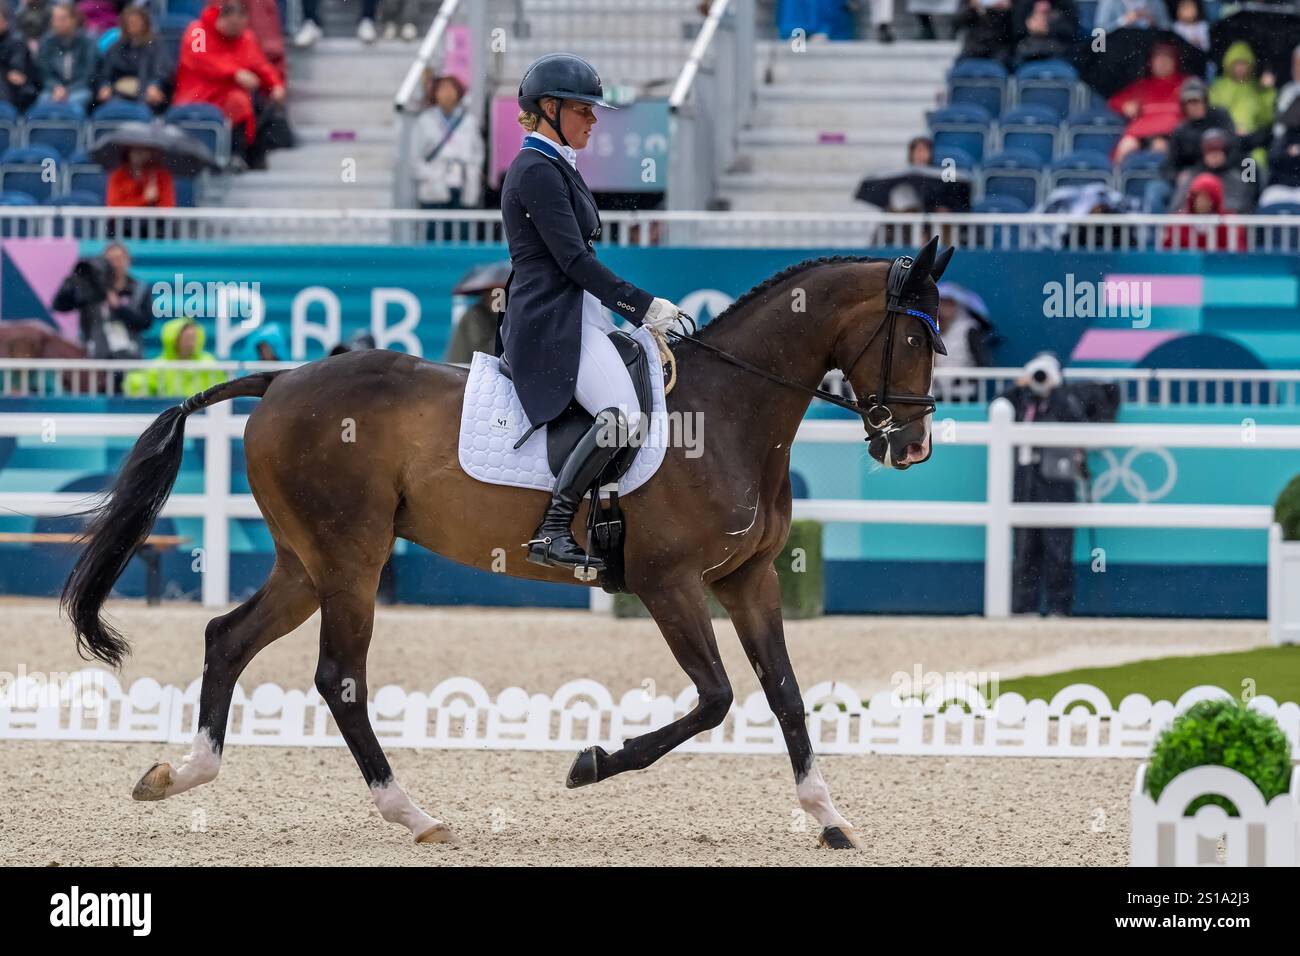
[
  {"x": 1286, "y": 510},
  {"x": 1224, "y": 733},
  {"x": 799, "y": 566}
]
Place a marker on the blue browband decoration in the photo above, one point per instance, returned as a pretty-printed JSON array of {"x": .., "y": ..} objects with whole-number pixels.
[{"x": 928, "y": 320}]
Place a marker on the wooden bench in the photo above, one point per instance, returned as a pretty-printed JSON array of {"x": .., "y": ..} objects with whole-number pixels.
[{"x": 150, "y": 553}]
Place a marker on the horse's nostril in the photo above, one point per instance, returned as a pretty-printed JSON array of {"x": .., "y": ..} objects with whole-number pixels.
[{"x": 914, "y": 451}]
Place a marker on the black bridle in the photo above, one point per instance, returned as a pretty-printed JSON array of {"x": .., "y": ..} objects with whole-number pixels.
[{"x": 877, "y": 417}]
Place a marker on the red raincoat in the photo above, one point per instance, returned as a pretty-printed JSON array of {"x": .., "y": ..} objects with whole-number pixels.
[
  {"x": 1198, "y": 237},
  {"x": 209, "y": 62}
]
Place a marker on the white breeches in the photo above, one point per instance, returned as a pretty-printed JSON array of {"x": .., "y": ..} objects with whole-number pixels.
[{"x": 603, "y": 379}]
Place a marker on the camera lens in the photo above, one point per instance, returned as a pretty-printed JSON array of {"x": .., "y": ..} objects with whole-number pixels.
[{"x": 1040, "y": 375}]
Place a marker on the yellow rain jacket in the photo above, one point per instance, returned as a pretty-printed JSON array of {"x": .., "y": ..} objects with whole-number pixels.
[{"x": 178, "y": 383}]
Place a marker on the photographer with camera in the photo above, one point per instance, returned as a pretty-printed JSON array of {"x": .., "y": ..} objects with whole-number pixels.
[
  {"x": 1044, "y": 558},
  {"x": 113, "y": 304}
]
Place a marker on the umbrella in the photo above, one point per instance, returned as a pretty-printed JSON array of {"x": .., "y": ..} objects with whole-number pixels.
[
  {"x": 929, "y": 183},
  {"x": 1125, "y": 58},
  {"x": 183, "y": 154},
  {"x": 29, "y": 338},
  {"x": 481, "y": 278},
  {"x": 1272, "y": 36},
  {"x": 972, "y": 302}
]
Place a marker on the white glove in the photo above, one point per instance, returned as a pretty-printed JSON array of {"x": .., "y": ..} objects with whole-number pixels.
[{"x": 661, "y": 315}]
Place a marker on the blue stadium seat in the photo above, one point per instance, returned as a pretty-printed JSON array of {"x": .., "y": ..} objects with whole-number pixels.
[
  {"x": 76, "y": 197},
  {"x": 1096, "y": 130},
  {"x": 1138, "y": 169},
  {"x": 965, "y": 127},
  {"x": 87, "y": 176},
  {"x": 1000, "y": 204},
  {"x": 8, "y": 126},
  {"x": 109, "y": 116},
  {"x": 981, "y": 82},
  {"x": 186, "y": 190},
  {"x": 34, "y": 170},
  {"x": 11, "y": 197},
  {"x": 1087, "y": 15},
  {"x": 205, "y": 123},
  {"x": 961, "y": 160},
  {"x": 1049, "y": 83},
  {"x": 1017, "y": 173},
  {"x": 1079, "y": 167},
  {"x": 1032, "y": 127},
  {"x": 57, "y": 125},
  {"x": 1280, "y": 209}
]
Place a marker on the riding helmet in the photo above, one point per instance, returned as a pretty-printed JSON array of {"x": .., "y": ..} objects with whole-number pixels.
[{"x": 562, "y": 75}]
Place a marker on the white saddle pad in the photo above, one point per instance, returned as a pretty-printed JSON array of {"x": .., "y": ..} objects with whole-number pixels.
[{"x": 492, "y": 420}]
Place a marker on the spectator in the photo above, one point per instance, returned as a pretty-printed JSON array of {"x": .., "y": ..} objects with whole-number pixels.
[
  {"x": 182, "y": 341},
  {"x": 142, "y": 180},
  {"x": 1218, "y": 158},
  {"x": 920, "y": 151},
  {"x": 1044, "y": 29},
  {"x": 882, "y": 15},
  {"x": 264, "y": 344},
  {"x": 968, "y": 336},
  {"x": 113, "y": 305},
  {"x": 222, "y": 64},
  {"x": 397, "y": 18},
  {"x": 989, "y": 31},
  {"x": 447, "y": 149},
  {"x": 310, "y": 30},
  {"x": 1044, "y": 557},
  {"x": 1205, "y": 198},
  {"x": 1249, "y": 101},
  {"x": 1288, "y": 99},
  {"x": 1284, "y": 169},
  {"x": 19, "y": 87},
  {"x": 1191, "y": 25},
  {"x": 1185, "y": 144},
  {"x": 34, "y": 22},
  {"x": 137, "y": 66},
  {"x": 1150, "y": 104},
  {"x": 66, "y": 59},
  {"x": 1131, "y": 14},
  {"x": 264, "y": 23}
]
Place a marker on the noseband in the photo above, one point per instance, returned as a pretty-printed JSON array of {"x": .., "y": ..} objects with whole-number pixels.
[{"x": 877, "y": 417}]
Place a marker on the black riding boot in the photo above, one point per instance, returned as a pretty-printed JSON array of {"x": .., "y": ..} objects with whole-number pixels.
[{"x": 552, "y": 543}]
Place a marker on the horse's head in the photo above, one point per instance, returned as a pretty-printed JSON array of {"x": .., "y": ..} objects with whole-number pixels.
[{"x": 889, "y": 357}]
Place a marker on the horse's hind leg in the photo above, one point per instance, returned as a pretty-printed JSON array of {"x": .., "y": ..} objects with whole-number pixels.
[
  {"x": 682, "y": 614},
  {"x": 283, "y": 602},
  {"x": 752, "y": 596},
  {"x": 347, "y": 620}
]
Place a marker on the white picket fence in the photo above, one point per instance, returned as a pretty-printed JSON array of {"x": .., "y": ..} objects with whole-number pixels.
[
  {"x": 218, "y": 426},
  {"x": 956, "y": 720}
]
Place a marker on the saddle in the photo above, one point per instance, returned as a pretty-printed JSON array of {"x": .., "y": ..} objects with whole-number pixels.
[{"x": 605, "y": 519}]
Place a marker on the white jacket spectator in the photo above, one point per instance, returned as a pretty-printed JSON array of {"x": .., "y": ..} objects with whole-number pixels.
[
  {"x": 1119, "y": 14},
  {"x": 447, "y": 150}
]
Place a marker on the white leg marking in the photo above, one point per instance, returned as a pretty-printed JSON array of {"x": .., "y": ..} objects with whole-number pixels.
[
  {"x": 396, "y": 807},
  {"x": 199, "y": 766},
  {"x": 815, "y": 798}
]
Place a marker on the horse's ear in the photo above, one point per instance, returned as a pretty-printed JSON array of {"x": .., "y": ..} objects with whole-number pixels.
[
  {"x": 941, "y": 263},
  {"x": 921, "y": 266}
]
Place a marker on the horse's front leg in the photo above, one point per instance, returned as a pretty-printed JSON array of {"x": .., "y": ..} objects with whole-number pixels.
[
  {"x": 752, "y": 596},
  {"x": 682, "y": 613}
]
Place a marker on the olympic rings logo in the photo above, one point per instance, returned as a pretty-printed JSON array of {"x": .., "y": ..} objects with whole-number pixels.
[{"x": 1120, "y": 472}]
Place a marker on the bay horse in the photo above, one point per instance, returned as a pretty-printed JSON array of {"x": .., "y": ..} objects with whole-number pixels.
[{"x": 715, "y": 521}]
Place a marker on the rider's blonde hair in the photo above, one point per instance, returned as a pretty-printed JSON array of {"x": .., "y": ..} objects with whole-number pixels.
[{"x": 529, "y": 121}]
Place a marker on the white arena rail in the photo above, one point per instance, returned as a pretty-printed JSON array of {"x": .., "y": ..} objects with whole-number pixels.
[
  {"x": 218, "y": 425},
  {"x": 1141, "y": 387},
  {"x": 855, "y": 230}
]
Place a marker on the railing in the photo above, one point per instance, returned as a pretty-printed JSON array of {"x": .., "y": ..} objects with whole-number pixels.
[
  {"x": 1142, "y": 387},
  {"x": 713, "y": 94},
  {"x": 1264, "y": 235},
  {"x": 217, "y": 426}
]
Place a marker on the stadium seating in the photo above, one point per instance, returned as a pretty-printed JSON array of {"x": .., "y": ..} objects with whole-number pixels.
[
  {"x": 1005, "y": 204},
  {"x": 26, "y": 169},
  {"x": 109, "y": 116},
  {"x": 979, "y": 82},
  {"x": 1138, "y": 169},
  {"x": 84, "y": 175},
  {"x": 57, "y": 125},
  {"x": 961, "y": 160},
  {"x": 1032, "y": 127},
  {"x": 205, "y": 123},
  {"x": 964, "y": 127},
  {"x": 1097, "y": 130},
  {"x": 8, "y": 126},
  {"x": 1079, "y": 167},
  {"x": 1049, "y": 83},
  {"x": 1017, "y": 173}
]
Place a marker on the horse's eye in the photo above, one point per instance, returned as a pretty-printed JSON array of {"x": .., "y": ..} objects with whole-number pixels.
[{"x": 914, "y": 341}]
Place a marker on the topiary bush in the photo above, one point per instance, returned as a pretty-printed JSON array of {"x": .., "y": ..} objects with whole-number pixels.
[
  {"x": 1223, "y": 733},
  {"x": 1286, "y": 510}
]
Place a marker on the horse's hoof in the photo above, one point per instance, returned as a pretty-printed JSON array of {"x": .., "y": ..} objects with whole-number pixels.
[
  {"x": 586, "y": 767},
  {"x": 839, "y": 838},
  {"x": 438, "y": 833},
  {"x": 154, "y": 784}
]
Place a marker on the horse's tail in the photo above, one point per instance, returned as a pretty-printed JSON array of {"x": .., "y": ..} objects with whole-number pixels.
[{"x": 120, "y": 524}]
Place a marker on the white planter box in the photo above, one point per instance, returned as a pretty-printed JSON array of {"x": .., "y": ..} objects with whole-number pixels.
[
  {"x": 1262, "y": 835},
  {"x": 1283, "y": 588}
]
